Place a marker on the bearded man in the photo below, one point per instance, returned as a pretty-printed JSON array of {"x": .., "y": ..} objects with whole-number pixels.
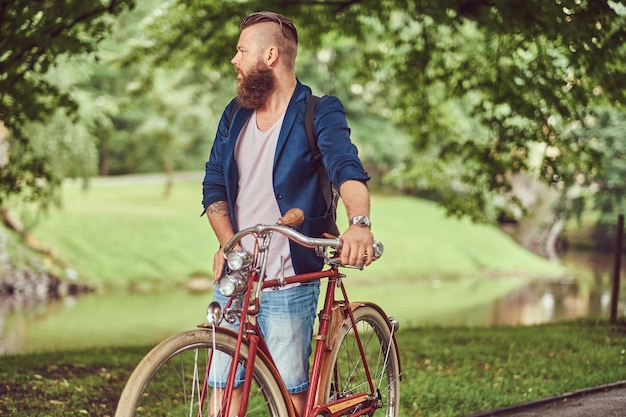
[{"x": 261, "y": 165}]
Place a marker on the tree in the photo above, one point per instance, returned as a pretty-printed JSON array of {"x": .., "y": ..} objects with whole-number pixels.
[
  {"x": 605, "y": 132},
  {"x": 33, "y": 36}
]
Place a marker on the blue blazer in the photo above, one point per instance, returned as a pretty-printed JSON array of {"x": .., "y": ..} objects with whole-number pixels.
[{"x": 296, "y": 182}]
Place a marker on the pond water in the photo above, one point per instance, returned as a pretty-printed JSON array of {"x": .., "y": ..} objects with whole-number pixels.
[{"x": 129, "y": 319}]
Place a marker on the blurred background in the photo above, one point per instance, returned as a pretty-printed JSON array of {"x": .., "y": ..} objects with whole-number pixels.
[{"x": 493, "y": 132}]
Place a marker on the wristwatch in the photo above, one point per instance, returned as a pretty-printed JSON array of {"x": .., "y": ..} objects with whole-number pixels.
[{"x": 360, "y": 220}]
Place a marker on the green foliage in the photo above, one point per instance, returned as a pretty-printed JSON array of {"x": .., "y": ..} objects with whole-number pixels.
[
  {"x": 448, "y": 372},
  {"x": 521, "y": 77},
  {"x": 476, "y": 87},
  {"x": 152, "y": 119},
  {"x": 603, "y": 133},
  {"x": 33, "y": 36}
]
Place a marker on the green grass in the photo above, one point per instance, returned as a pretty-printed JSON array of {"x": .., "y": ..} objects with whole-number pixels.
[
  {"x": 457, "y": 371},
  {"x": 447, "y": 371},
  {"x": 127, "y": 234},
  {"x": 123, "y": 233}
]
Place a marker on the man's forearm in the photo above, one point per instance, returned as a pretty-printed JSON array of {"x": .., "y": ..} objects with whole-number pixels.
[
  {"x": 356, "y": 198},
  {"x": 218, "y": 214}
]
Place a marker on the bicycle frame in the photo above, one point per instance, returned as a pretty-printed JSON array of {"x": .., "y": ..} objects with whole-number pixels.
[{"x": 333, "y": 314}]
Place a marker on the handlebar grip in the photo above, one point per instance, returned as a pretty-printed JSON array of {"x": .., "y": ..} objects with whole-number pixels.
[{"x": 377, "y": 247}]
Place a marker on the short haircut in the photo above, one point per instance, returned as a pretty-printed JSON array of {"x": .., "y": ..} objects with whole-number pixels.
[{"x": 286, "y": 39}]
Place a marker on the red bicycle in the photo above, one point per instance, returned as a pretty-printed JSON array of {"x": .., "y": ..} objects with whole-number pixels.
[{"x": 356, "y": 364}]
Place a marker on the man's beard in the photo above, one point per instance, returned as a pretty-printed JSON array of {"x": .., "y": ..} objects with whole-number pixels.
[{"x": 255, "y": 87}]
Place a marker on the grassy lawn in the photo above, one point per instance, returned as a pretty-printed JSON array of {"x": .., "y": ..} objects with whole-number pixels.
[{"x": 447, "y": 371}]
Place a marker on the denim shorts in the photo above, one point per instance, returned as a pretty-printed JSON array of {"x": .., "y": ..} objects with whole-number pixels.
[{"x": 286, "y": 319}]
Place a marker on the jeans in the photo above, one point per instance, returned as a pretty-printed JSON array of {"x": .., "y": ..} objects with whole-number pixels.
[{"x": 286, "y": 319}]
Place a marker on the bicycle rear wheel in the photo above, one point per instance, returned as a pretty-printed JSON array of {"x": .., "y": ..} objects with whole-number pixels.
[
  {"x": 346, "y": 374},
  {"x": 170, "y": 380}
]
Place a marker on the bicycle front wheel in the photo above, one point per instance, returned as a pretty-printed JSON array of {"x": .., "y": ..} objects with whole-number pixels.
[
  {"x": 171, "y": 380},
  {"x": 346, "y": 376}
]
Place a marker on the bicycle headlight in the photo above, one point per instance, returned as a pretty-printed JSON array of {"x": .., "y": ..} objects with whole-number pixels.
[
  {"x": 232, "y": 284},
  {"x": 238, "y": 259},
  {"x": 214, "y": 313}
]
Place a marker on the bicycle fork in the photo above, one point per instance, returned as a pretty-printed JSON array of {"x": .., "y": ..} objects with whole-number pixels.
[{"x": 226, "y": 400}]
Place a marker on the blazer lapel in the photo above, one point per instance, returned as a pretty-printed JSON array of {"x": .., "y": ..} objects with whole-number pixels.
[
  {"x": 230, "y": 167},
  {"x": 298, "y": 101}
]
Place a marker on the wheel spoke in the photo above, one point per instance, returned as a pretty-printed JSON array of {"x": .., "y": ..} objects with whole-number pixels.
[
  {"x": 174, "y": 379},
  {"x": 349, "y": 375}
]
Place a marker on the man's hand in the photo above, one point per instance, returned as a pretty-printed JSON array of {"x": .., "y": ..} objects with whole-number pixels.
[
  {"x": 357, "y": 246},
  {"x": 219, "y": 217},
  {"x": 218, "y": 265}
]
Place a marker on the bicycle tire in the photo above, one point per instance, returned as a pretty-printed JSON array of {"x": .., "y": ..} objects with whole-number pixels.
[
  {"x": 345, "y": 376},
  {"x": 168, "y": 380}
]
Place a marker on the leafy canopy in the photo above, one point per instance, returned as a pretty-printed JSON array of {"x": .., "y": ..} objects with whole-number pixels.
[
  {"x": 33, "y": 36},
  {"x": 484, "y": 88}
]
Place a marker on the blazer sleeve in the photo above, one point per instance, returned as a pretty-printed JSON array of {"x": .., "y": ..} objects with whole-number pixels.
[
  {"x": 214, "y": 183},
  {"x": 339, "y": 155}
]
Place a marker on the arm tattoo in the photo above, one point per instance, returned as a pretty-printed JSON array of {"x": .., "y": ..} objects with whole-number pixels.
[{"x": 219, "y": 207}]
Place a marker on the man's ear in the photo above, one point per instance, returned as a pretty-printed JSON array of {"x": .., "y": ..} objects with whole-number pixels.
[{"x": 271, "y": 56}]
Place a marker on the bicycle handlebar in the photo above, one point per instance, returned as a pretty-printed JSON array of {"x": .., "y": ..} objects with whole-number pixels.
[{"x": 306, "y": 241}]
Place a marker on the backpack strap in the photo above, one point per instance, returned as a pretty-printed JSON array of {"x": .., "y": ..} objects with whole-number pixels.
[
  {"x": 311, "y": 134},
  {"x": 309, "y": 126},
  {"x": 233, "y": 110}
]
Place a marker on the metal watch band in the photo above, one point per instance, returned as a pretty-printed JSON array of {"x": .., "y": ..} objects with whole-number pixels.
[{"x": 360, "y": 220}]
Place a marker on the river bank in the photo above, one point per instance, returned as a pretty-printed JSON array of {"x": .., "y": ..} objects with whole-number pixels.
[{"x": 25, "y": 281}]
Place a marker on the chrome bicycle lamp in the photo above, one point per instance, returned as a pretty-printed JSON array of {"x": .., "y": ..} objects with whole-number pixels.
[
  {"x": 214, "y": 313},
  {"x": 232, "y": 284},
  {"x": 238, "y": 259}
]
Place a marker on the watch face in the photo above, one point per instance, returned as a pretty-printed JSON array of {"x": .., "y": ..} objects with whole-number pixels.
[{"x": 361, "y": 221}]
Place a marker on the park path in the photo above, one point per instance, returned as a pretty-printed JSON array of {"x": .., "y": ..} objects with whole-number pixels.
[{"x": 604, "y": 401}]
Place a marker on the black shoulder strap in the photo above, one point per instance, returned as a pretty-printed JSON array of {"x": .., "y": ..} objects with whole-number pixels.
[
  {"x": 309, "y": 126},
  {"x": 233, "y": 110},
  {"x": 311, "y": 134}
]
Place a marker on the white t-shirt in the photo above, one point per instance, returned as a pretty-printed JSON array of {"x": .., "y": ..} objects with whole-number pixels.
[{"x": 256, "y": 201}]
